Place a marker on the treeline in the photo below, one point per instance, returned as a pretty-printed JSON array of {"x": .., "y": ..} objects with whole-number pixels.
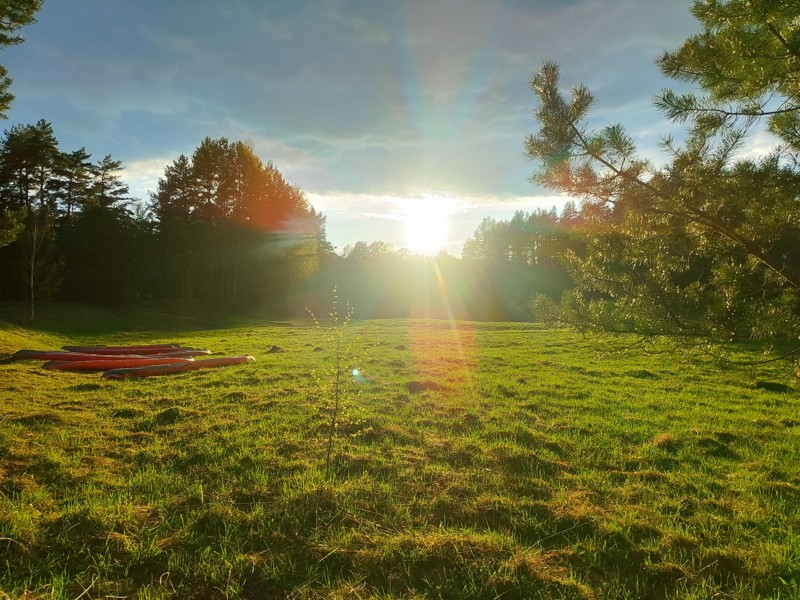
[
  {"x": 502, "y": 267},
  {"x": 225, "y": 230},
  {"x": 57, "y": 209},
  {"x": 231, "y": 231}
]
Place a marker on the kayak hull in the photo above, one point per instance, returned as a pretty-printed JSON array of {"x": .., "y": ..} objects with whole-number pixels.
[
  {"x": 131, "y": 349},
  {"x": 177, "y": 368},
  {"x": 76, "y": 356},
  {"x": 143, "y": 351},
  {"x": 105, "y": 363},
  {"x": 82, "y": 356}
]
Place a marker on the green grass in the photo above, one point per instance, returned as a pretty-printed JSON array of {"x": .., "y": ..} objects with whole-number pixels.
[{"x": 487, "y": 461}]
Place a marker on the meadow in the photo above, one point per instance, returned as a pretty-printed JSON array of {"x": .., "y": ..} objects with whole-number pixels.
[{"x": 477, "y": 460}]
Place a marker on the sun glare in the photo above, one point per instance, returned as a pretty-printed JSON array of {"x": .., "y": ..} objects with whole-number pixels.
[{"x": 425, "y": 225}]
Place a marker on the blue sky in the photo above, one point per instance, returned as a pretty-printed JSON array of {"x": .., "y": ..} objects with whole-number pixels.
[{"x": 369, "y": 106}]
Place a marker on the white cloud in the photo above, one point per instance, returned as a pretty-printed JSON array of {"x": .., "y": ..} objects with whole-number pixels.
[
  {"x": 142, "y": 175},
  {"x": 758, "y": 145},
  {"x": 384, "y": 204}
]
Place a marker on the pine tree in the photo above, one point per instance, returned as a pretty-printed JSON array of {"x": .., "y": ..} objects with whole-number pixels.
[
  {"x": 234, "y": 228},
  {"x": 108, "y": 189},
  {"x": 707, "y": 247},
  {"x": 75, "y": 173}
]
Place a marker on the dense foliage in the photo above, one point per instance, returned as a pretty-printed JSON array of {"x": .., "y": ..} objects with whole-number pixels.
[
  {"x": 502, "y": 266},
  {"x": 232, "y": 230},
  {"x": 224, "y": 228},
  {"x": 46, "y": 197},
  {"x": 707, "y": 247}
]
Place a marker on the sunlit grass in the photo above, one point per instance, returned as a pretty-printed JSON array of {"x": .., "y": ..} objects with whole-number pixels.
[{"x": 490, "y": 460}]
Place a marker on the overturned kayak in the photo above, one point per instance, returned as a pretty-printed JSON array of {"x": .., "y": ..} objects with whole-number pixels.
[
  {"x": 110, "y": 351},
  {"x": 178, "y": 353},
  {"x": 63, "y": 355},
  {"x": 132, "y": 349},
  {"x": 177, "y": 368},
  {"x": 103, "y": 363},
  {"x": 80, "y": 356}
]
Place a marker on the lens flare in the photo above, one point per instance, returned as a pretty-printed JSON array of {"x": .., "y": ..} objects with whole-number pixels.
[{"x": 358, "y": 377}]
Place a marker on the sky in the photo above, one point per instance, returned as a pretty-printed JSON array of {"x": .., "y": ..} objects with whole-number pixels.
[{"x": 387, "y": 113}]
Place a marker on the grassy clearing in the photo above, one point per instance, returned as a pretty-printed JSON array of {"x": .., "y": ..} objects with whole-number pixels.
[{"x": 488, "y": 460}]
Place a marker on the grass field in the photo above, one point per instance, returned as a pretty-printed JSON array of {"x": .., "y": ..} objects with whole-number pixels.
[{"x": 478, "y": 461}]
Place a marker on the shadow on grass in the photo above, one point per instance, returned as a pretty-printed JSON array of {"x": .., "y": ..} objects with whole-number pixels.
[{"x": 82, "y": 320}]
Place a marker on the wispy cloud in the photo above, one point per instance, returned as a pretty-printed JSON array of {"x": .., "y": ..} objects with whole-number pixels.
[
  {"x": 142, "y": 175},
  {"x": 388, "y": 206}
]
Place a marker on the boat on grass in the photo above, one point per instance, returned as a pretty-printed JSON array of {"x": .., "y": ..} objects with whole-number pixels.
[
  {"x": 103, "y": 363},
  {"x": 110, "y": 351},
  {"x": 223, "y": 361},
  {"x": 79, "y": 356},
  {"x": 132, "y": 349}
]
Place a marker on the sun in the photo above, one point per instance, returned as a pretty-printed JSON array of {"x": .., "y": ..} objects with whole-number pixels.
[{"x": 426, "y": 224}]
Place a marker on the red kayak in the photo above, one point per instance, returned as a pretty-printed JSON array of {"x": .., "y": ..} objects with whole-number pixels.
[
  {"x": 141, "y": 351},
  {"x": 92, "y": 349},
  {"x": 177, "y": 368},
  {"x": 104, "y": 363},
  {"x": 178, "y": 353},
  {"x": 81, "y": 356}
]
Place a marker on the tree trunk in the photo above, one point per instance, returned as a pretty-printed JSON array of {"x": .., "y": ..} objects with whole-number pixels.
[{"x": 31, "y": 282}]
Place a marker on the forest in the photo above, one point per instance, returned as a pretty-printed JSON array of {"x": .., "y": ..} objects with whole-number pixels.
[{"x": 225, "y": 230}]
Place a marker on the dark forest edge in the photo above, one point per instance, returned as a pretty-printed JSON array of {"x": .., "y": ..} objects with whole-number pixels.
[{"x": 226, "y": 232}]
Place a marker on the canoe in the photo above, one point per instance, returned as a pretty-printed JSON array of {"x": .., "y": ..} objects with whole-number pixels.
[
  {"x": 105, "y": 363},
  {"x": 181, "y": 352},
  {"x": 177, "y": 368},
  {"x": 91, "y": 349},
  {"x": 141, "y": 351},
  {"x": 184, "y": 352},
  {"x": 55, "y": 355},
  {"x": 81, "y": 356}
]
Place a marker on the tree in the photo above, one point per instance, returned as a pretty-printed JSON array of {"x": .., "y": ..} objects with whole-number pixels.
[
  {"x": 14, "y": 14},
  {"x": 234, "y": 228},
  {"x": 174, "y": 206},
  {"x": 108, "y": 189},
  {"x": 74, "y": 181},
  {"x": 28, "y": 159},
  {"x": 42, "y": 271},
  {"x": 746, "y": 60},
  {"x": 488, "y": 241},
  {"x": 706, "y": 247}
]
